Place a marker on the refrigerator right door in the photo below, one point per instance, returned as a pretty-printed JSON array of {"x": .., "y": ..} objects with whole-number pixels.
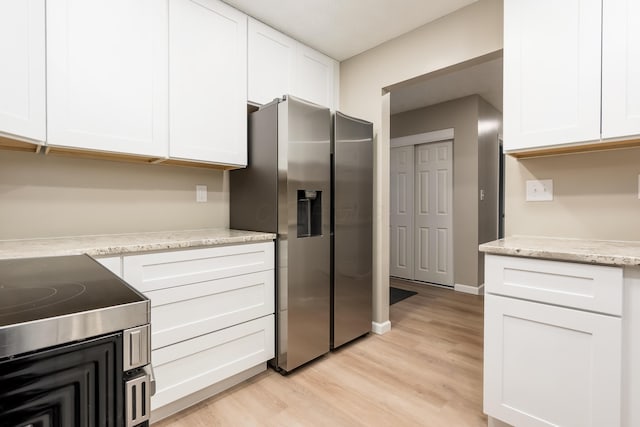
[{"x": 352, "y": 249}]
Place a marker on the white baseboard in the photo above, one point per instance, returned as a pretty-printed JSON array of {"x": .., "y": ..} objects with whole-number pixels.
[
  {"x": 474, "y": 290},
  {"x": 380, "y": 328}
]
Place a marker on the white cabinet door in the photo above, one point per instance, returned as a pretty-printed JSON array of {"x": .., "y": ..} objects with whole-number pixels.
[
  {"x": 548, "y": 365},
  {"x": 316, "y": 77},
  {"x": 107, "y": 75},
  {"x": 620, "y": 68},
  {"x": 22, "y": 74},
  {"x": 271, "y": 63},
  {"x": 207, "y": 82},
  {"x": 551, "y": 72}
]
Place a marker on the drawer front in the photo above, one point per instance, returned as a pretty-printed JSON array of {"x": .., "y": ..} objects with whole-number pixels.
[
  {"x": 188, "y": 311},
  {"x": 192, "y": 365},
  {"x": 583, "y": 286},
  {"x": 149, "y": 272}
]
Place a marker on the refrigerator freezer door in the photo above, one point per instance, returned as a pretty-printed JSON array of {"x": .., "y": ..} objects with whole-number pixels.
[
  {"x": 353, "y": 228},
  {"x": 304, "y": 191}
]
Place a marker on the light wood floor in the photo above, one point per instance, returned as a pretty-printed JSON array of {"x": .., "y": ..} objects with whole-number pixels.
[{"x": 427, "y": 371}]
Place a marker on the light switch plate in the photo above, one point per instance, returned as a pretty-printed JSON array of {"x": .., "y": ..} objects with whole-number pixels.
[
  {"x": 638, "y": 186},
  {"x": 539, "y": 190},
  {"x": 201, "y": 193}
]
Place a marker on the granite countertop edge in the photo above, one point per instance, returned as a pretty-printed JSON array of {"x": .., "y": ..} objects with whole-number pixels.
[
  {"x": 604, "y": 252},
  {"x": 130, "y": 243}
]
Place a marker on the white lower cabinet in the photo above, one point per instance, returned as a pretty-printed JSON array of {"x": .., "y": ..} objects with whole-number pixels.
[
  {"x": 552, "y": 363},
  {"x": 548, "y": 365},
  {"x": 212, "y": 316}
]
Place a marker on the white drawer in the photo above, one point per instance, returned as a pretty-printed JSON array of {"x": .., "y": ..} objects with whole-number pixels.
[
  {"x": 192, "y": 365},
  {"x": 583, "y": 286},
  {"x": 148, "y": 272},
  {"x": 191, "y": 310}
]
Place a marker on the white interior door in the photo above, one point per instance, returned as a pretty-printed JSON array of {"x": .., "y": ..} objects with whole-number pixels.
[
  {"x": 401, "y": 216},
  {"x": 433, "y": 259}
]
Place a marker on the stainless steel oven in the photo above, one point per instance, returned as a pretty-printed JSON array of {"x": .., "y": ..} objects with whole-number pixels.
[{"x": 74, "y": 345}]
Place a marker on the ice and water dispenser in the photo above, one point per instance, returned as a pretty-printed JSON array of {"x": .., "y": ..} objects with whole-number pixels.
[{"x": 309, "y": 213}]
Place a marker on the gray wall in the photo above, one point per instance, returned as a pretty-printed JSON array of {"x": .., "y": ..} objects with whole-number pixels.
[
  {"x": 489, "y": 127},
  {"x": 462, "y": 116},
  {"x": 47, "y": 196}
]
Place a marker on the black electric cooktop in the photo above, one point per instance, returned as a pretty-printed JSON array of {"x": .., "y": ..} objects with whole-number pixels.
[
  {"x": 41, "y": 288},
  {"x": 46, "y": 302}
]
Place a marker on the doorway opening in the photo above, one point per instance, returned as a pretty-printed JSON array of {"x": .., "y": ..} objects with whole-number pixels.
[{"x": 467, "y": 100}]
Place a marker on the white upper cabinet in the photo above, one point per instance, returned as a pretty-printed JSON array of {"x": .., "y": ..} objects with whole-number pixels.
[
  {"x": 208, "y": 82},
  {"x": 620, "y": 68},
  {"x": 22, "y": 74},
  {"x": 271, "y": 63},
  {"x": 316, "y": 77},
  {"x": 279, "y": 65},
  {"x": 551, "y": 72},
  {"x": 107, "y": 75}
]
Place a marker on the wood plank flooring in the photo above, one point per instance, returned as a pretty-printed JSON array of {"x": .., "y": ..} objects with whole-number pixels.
[{"x": 427, "y": 371}]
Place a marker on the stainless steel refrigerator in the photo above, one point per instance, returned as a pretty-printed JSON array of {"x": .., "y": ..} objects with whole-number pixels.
[
  {"x": 352, "y": 228},
  {"x": 286, "y": 189}
]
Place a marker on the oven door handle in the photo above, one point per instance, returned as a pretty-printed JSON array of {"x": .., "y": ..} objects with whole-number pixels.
[{"x": 148, "y": 369}]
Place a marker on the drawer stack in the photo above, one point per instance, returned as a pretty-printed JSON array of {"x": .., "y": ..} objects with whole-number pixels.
[{"x": 211, "y": 313}]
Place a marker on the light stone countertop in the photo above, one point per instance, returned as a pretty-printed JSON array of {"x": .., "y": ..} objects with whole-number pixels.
[
  {"x": 118, "y": 244},
  {"x": 606, "y": 252}
]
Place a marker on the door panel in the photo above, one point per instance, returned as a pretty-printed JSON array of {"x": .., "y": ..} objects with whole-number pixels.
[
  {"x": 22, "y": 75},
  {"x": 535, "y": 353},
  {"x": 107, "y": 75},
  {"x": 353, "y": 221},
  {"x": 620, "y": 68},
  {"x": 401, "y": 215},
  {"x": 551, "y": 76},
  {"x": 433, "y": 247},
  {"x": 207, "y": 82}
]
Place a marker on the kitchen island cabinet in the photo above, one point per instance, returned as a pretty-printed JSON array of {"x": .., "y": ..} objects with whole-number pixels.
[{"x": 562, "y": 332}]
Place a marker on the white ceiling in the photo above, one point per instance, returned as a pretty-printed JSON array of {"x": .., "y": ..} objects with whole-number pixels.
[
  {"x": 344, "y": 28},
  {"x": 484, "y": 79}
]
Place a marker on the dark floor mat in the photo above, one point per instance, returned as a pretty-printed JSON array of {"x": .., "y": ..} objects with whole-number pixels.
[{"x": 397, "y": 295}]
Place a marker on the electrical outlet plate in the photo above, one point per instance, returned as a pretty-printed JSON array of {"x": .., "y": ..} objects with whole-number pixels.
[
  {"x": 638, "y": 186},
  {"x": 540, "y": 190},
  {"x": 201, "y": 193}
]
